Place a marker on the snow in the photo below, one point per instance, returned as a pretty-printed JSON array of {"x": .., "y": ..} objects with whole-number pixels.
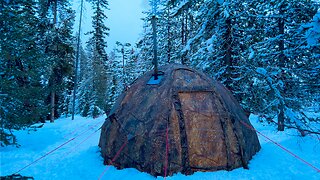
[
  {"x": 261, "y": 71},
  {"x": 80, "y": 159},
  {"x": 220, "y": 1},
  {"x": 293, "y": 117},
  {"x": 179, "y": 7},
  {"x": 251, "y": 55},
  {"x": 313, "y": 34},
  {"x": 226, "y": 10},
  {"x": 191, "y": 41}
]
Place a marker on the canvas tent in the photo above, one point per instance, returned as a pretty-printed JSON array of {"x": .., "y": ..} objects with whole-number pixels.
[{"x": 182, "y": 122}]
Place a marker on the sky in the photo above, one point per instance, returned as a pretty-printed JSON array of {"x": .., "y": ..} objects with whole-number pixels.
[{"x": 124, "y": 20}]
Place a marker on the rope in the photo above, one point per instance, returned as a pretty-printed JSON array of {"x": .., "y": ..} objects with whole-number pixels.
[
  {"x": 167, "y": 151},
  {"x": 72, "y": 150},
  {"x": 77, "y": 129},
  {"x": 45, "y": 155},
  {"x": 279, "y": 145},
  {"x": 60, "y": 146},
  {"x": 113, "y": 159},
  {"x": 91, "y": 127}
]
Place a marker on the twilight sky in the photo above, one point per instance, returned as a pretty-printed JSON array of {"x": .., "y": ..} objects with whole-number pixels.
[{"x": 124, "y": 20}]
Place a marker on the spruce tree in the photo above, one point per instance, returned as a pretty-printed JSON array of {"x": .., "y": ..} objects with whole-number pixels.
[
  {"x": 144, "y": 46},
  {"x": 284, "y": 61},
  {"x": 99, "y": 58},
  {"x": 85, "y": 83},
  {"x": 21, "y": 68},
  {"x": 56, "y": 26}
]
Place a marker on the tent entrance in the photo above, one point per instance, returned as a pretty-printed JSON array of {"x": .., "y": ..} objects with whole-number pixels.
[{"x": 206, "y": 141}]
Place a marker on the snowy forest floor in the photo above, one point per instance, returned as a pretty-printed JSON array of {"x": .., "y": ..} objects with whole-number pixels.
[{"x": 80, "y": 158}]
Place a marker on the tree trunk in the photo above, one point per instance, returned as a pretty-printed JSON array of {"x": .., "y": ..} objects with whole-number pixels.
[
  {"x": 182, "y": 38},
  {"x": 53, "y": 92},
  {"x": 228, "y": 54},
  {"x": 281, "y": 64},
  {"x": 52, "y": 106},
  {"x": 77, "y": 64},
  {"x": 55, "y": 12},
  {"x": 281, "y": 117},
  {"x": 155, "y": 48},
  {"x": 186, "y": 29},
  {"x": 169, "y": 36},
  {"x": 123, "y": 67}
]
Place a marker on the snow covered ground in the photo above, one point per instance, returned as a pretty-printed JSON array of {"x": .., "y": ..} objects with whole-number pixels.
[{"x": 80, "y": 157}]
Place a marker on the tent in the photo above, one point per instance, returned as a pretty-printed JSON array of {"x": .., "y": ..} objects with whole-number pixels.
[{"x": 183, "y": 121}]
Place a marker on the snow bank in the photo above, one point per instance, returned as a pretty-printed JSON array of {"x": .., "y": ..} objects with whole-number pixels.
[{"x": 81, "y": 159}]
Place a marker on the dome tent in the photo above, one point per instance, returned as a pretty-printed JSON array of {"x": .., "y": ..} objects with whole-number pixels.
[{"x": 183, "y": 122}]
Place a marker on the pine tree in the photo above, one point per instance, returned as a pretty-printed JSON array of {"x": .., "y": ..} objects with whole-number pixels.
[
  {"x": 114, "y": 73},
  {"x": 57, "y": 20},
  {"x": 312, "y": 73},
  {"x": 99, "y": 58},
  {"x": 21, "y": 68},
  {"x": 284, "y": 61},
  {"x": 144, "y": 46},
  {"x": 217, "y": 45},
  {"x": 125, "y": 54},
  {"x": 85, "y": 82}
]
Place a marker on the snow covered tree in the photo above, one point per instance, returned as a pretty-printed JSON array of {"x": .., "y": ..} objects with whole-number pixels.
[
  {"x": 114, "y": 75},
  {"x": 56, "y": 26},
  {"x": 313, "y": 40},
  {"x": 122, "y": 70},
  {"x": 85, "y": 89},
  {"x": 144, "y": 46},
  {"x": 126, "y": 53},
  {"x": 219, "y": 40},
  {"x": 177, "y": 22},
  {"x": 266, "y": 53},
  {"x": 282, "y": 61},
  {"x": 97, "y": 77},
  {"x": 21, "y": 61}
]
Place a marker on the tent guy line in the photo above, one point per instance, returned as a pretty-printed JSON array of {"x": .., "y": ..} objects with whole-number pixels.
[
  {"x": 90, "y": 136},
  {"x": 60, "y": 146},
  {"x": 35, "y": 161},
  {"x": 113, "y": 159},
  {"x": 77, "y": 129},
  {"x": 243, "y": 123},
  {"x": 167, "y": 149},
  {"x": 282, "y": 147}
]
